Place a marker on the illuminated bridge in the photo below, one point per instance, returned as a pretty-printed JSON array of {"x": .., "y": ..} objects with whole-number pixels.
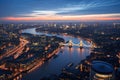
[{"x": 81, "y": 44}]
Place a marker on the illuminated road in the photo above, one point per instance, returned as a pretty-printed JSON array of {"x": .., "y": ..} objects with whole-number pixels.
[
  {"x": 16, "y": 49},
  {"x": 64, "y": 56}
]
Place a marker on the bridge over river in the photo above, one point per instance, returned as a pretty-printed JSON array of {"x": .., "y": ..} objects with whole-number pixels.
[{"x": 81, "y": 44}]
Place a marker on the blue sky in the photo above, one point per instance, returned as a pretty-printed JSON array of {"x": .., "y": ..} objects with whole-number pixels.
[{"x": 71, "y": 9}]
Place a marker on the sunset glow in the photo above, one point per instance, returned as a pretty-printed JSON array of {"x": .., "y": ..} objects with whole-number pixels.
[
  {"x": 98, "y": 17},
  {"x": 86, "y": 10}
]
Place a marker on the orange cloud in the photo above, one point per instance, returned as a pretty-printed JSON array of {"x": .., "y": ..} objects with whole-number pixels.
[{"x": 60, "y": 17}]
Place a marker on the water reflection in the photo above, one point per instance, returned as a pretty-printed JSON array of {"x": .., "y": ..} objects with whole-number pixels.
[
  {"x": 66, "y": 55},
  {"x": 70, "y": 50},
  {"x": 81, "y": 50}
]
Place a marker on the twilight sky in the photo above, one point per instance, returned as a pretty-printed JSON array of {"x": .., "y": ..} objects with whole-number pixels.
[{"x": 39, "y": 10}]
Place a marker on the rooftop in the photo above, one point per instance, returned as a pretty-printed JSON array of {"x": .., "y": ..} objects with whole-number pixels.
[
  {"x": 4, "y": 72},
  {"x": 102, "y": 67}
]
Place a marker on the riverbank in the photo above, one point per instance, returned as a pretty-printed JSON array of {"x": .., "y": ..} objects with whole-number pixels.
[
  {"x": 32, "y": 52},
  {"x": 105, "y": 37},
  {"x": 61, "y": 59}
]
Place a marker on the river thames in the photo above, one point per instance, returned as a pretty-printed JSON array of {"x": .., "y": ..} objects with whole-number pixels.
[{"x": 65, "y": 56}]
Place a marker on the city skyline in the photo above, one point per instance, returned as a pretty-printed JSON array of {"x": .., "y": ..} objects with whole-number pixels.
[
  {"x": 60, "y": 10},
  {"x": 60, "y": 40}
]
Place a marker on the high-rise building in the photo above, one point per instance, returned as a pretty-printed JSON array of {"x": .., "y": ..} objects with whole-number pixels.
[{"x": 101, "y": 71}]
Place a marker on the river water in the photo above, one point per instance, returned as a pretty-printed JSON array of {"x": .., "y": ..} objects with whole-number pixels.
[{"x": 65, "y": 56}]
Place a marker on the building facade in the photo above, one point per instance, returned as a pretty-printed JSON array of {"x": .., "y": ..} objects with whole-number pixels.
[{"x": 101, "y": 71}]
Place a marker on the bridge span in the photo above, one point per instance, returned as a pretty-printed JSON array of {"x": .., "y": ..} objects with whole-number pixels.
[{"x": 81, "y": 44}]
